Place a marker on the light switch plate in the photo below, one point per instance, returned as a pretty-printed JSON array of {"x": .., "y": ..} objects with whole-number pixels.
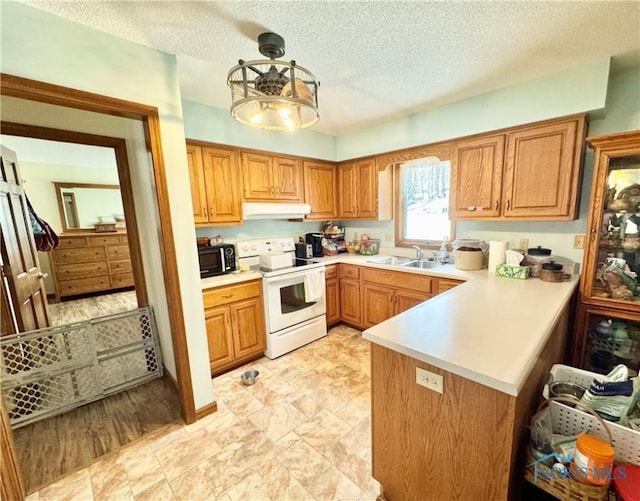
[{"x": 429, "y": 380}]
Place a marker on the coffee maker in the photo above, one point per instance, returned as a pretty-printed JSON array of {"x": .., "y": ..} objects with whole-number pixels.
[{"x": 315, "y": 239}]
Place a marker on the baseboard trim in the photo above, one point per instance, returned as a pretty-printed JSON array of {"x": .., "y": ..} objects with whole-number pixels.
[{"x": 206, "y": 410}]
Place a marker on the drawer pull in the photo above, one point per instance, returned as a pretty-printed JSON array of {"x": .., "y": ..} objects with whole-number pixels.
[{"x": 227, "y": 296}]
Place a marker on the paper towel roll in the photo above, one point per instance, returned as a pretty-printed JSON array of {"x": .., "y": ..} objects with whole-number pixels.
[{"x": 497, "y": 249}]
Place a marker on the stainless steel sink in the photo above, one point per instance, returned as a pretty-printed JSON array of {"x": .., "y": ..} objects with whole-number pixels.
[
  {"x": 390, "y": 260},
  {"x": 423, "y": 264}
]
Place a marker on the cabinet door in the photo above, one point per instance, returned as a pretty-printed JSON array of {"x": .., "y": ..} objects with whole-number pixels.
[
  {"x": 258, "y": 179},
  {"x": 347, "y": 180},
  {"x": 408, "y": 299},
  {"x": 367, "y": 189},
  {"x": 248, "y": 328},
  {"x": 377, "y": 304},
  {"x": 333, "y": 301},
  {"x": 445, "y": 285},
  {"x": 476, "y": 177},
  {"x": 196, "y": 179},
  {"x": 540, "y": 176},
  {"x": 288, "y": 179},
  {"x": 222, "y": 185},
  {"x": 219, "y": 337},
  {"x": 320, "y": 183},
  {"x": 350, "y": 301}
]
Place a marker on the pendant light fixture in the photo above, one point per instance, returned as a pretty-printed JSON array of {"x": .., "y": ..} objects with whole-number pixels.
[{"x": 270, "y": 94}]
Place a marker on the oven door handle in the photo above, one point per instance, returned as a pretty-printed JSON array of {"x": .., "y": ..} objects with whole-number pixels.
[{"x": 286, "y": 278}]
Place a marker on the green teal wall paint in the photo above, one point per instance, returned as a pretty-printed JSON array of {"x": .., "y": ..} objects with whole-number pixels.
[
  {"x": 622, "y": 113},
  {"x": 574, "y": 90},
  {"x": 215, "y": 125}
]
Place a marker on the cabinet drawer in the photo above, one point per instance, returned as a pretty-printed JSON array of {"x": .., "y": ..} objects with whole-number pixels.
[
  {"x": 81, "y": 270},
  {"x": 72, "y": 242},
  {"x": 225, "y": 295},
  {"x": 124, "y": 239},
  {"x": 118, "y": 252},
  {"x": 349, "y": 271},
  {"x": 331, "y": 271},
  {"x": 104, "y": 240},
  {"x": 398, "y": 280},
  {"x": 122, "y": 266},
  {"x": 122, "y": 280},
  {"x": 84, "y": 255},
  {"x": 83, "y": 285}
]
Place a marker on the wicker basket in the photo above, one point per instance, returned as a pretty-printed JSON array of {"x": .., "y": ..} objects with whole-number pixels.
[{"x": 567, "y": 489}]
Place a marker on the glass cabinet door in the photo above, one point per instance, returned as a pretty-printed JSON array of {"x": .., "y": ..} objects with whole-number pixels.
[
  {"x": 609, "y": 339},
  {"x": 618, "y": 251},
  {"x": 612, "y": 257}
]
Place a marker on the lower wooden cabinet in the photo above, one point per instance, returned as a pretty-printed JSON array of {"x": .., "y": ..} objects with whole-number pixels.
[
  {"x": 387, "y": 293},
  {"x": 350, "y": 308},
  {"x": 234, "y": 318},
  {"x": 332, "y": 294}
]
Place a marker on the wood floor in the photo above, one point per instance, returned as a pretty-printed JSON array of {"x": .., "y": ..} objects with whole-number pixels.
[{"x": 55, "y": 447}]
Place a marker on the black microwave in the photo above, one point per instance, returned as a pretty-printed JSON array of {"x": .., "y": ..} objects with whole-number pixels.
[{"x": 217, "y": 260}]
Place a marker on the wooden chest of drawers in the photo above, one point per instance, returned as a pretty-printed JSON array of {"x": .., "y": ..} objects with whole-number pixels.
[{"x": 86, "y": 262}]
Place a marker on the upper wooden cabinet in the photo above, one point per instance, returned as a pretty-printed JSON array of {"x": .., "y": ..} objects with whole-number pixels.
[
  {"x": 476, "y": 177},
  {"x": 271, "y": 179},
  {"x": 364, "y": 190},
  {"x": 215, "y": 185},
  {"x": 320, "y": 188},
  {"x": 526, "y": 173}
]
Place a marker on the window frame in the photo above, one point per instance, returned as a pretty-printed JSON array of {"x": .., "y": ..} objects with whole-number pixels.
[{"x": 400, "y": 240}]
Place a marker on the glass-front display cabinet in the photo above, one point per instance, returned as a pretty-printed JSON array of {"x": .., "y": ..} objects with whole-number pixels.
[
  {"x": 610, "y": 282},
  {"x": 607, "y": 338},
  {"x": 612, "y": 255}
]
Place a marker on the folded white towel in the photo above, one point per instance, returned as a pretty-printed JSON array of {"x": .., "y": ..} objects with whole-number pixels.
[{"x": 313, "y": 286}]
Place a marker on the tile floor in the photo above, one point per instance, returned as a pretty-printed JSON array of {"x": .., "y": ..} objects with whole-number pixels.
[{"x": 301, "y": 432}]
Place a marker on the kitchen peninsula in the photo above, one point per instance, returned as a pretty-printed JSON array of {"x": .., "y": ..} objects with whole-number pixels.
[{"x": 487, "y": 345}]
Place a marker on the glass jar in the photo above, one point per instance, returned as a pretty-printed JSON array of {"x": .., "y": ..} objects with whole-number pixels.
[{"x": 535, "y": 258}]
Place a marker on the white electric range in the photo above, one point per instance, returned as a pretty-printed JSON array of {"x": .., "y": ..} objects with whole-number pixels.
[{"x": 294, "y": 293}]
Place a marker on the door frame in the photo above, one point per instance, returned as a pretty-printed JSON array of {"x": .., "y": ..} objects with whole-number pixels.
[
  {"x": 32, "y": 90},
  {"x": 124, "y": 175}
]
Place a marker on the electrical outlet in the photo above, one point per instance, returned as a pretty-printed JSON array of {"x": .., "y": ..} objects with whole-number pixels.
[
  {"x": 524, "y": 244},
  {"x": 578, "y": 241},
  {"x": 429, "y": 380},
  {"x": 387, "y": 237}
]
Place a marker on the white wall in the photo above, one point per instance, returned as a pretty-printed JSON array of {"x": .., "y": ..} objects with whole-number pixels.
[
  {"x": 43, "y": 47},
  {"x": 39, "y": 179}
]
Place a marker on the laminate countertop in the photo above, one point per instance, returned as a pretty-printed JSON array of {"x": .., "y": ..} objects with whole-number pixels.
[{"x": 489, "y": 329}]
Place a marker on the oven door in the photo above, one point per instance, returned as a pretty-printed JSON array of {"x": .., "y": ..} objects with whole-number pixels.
[{"x": 285, "y": 300}]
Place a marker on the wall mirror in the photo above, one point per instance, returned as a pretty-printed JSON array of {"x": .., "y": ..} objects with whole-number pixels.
[{"x": 83, "y": 205}]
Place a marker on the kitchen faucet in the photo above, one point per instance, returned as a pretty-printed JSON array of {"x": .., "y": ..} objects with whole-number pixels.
[{"x": 418, "y": 252}]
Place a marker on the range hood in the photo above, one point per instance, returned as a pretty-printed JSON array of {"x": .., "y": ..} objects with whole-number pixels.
[{"x": 251, "y": 210}]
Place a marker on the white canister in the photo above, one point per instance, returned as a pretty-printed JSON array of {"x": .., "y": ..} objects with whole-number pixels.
[{"x": 468, "y": 259}]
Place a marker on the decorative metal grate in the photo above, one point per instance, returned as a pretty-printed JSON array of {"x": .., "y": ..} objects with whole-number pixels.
[{"x": 50, "y": 371}]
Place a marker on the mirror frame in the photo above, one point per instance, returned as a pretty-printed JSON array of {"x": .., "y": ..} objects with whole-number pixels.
[{"x": 63, "y": 216}]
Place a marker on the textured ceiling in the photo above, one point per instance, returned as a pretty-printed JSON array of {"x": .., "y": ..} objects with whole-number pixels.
[{"x": 375, "y": 60}]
